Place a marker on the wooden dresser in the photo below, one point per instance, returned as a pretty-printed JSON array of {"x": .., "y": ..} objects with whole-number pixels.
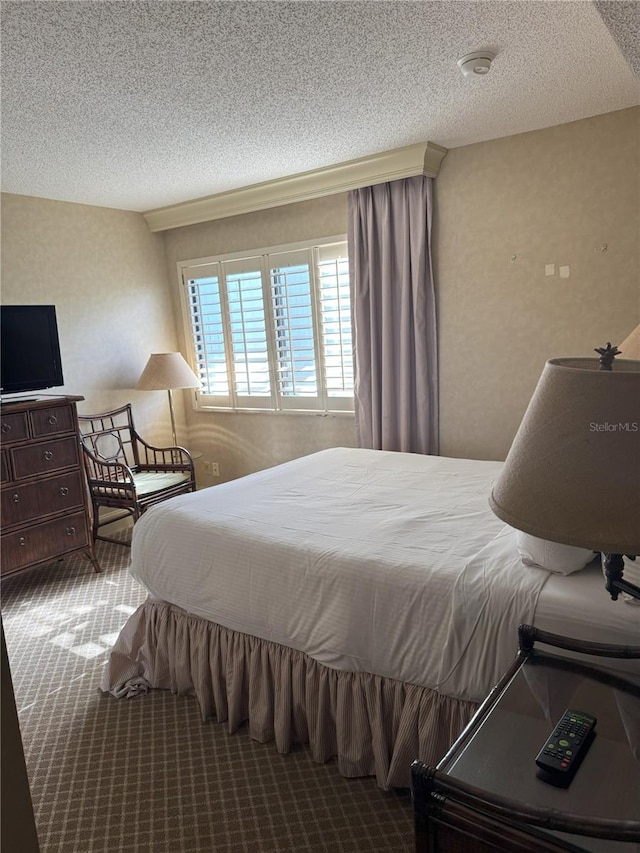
[{"x": 45, "y": 506}]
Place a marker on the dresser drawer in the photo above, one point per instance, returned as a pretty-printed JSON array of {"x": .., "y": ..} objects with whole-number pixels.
[
  {"x": 25, "y": 503},
  {"x": 14, "y": 427},
  {"x": 45, "y": 457},
  {"x": 52, "y": 420},
  {"x": 49, "y": 539}
]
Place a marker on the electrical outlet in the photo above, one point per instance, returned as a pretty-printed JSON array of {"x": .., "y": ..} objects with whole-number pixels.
[{"x": 214, "y": 469}]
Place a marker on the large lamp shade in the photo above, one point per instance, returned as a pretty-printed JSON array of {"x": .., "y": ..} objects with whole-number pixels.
[
  {"x": 573, "y": 472},
  {"x": 166, "y": 370}
]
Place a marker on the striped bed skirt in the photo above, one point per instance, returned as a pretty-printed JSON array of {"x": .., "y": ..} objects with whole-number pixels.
[{"x": 374, "y": 726}]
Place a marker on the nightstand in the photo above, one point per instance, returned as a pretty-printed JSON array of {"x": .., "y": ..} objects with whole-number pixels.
[{"x": 485, "y": 794}]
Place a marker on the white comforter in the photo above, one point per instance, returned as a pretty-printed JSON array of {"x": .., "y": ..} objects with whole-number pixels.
[{"x": 361, "y": 559}]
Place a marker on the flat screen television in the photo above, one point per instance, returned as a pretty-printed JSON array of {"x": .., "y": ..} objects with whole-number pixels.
[{"x": 29, "y": 348}]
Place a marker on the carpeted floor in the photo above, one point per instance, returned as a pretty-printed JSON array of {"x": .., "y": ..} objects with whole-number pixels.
[{"x": 147, "y": 774}]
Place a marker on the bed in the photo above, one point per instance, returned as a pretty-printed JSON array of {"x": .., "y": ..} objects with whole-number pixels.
[{"x": 363, "y": 602}]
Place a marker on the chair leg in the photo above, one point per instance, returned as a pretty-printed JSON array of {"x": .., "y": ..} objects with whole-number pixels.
[
  {"x": 96, "y": 524},
  {"x": 90, "y": 553},
  {"x": 96, "y": 527},
  {"x": 114, "y": 541}
]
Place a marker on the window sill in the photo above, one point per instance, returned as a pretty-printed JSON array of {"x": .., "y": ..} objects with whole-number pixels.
[{"x": 277, "y": 412}]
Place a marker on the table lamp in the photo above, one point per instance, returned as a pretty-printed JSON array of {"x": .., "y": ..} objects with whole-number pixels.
[
  {"x": 166, "y": 371},
  {"x": 573, "y": 472}
]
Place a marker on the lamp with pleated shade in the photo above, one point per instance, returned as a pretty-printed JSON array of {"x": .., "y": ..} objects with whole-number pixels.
[{"x": 167, "y": 371}]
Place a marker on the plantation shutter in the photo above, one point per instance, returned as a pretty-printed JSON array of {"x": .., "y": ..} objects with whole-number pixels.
[
  {"x": 247, "y": 339},
  {"x": 272, "y": 330},
  {"x": 205, "y": 320},
  {"x": 335, "y": 310},
  {"x": 293, "y": 316}
]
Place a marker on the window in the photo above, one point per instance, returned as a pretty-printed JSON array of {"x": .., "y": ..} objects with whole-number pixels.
[{"x": 272, "y": 330}]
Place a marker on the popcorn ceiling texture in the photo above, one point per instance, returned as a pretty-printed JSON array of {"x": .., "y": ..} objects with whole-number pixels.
[
  {"x": 622, "y": 18},
  {"x": 145, "y": 104}
]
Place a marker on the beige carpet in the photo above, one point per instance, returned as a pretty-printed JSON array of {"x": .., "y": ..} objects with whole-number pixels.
[{"x": 147, "y": 774}]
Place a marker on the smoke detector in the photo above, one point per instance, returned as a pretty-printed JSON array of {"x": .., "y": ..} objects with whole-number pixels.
[{"x": 476, "y": 63}]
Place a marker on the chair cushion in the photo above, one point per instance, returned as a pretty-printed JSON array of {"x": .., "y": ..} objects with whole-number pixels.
[{"x": 155, "y": 481}]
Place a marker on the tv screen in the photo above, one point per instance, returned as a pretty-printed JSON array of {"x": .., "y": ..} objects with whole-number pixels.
[{"x": 30, "y": 349}]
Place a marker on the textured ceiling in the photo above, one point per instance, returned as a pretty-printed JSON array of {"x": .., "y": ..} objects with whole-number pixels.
[{"x": 138, "y": 105}]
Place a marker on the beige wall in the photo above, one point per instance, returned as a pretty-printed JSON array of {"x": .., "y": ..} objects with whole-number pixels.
[
  {"x": 106, "y": 274},
  {"x": 505, "y": 209},
  {"x": 243, "y": 443}
]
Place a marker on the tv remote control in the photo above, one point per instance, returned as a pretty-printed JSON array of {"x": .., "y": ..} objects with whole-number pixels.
[{"x": 565, "y": 747}]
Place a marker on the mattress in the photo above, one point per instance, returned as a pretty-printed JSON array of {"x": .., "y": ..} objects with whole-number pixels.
[
  {"x": 346, "y": 555},
  {"x": 578, "y": 606},
  {"x": 367, "y": 561}
]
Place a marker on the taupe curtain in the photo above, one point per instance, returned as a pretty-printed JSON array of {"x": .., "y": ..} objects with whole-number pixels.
[{"x": 394, "y": 316}]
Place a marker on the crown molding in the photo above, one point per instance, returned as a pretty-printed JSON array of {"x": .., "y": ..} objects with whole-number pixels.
[{"x": 423, "y": 158}]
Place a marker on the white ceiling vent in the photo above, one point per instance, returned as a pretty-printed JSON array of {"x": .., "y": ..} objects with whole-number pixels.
[{"x": 476, "y": 63}]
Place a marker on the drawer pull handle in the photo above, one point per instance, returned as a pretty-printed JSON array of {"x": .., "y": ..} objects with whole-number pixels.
[
  {"x": 16, "y": 498},
  {"x": 64, "y": 491},
  {"x": 6, "y": 427},
  {"x": 52, "y": 419},
  {"x": 48, "y": 455},
  {"x": 22, "y": 541},
  {"x": 70, "y": 531}
]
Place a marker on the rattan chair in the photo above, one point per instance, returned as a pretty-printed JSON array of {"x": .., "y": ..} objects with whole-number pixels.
[{"x": 124, "y": 472}]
